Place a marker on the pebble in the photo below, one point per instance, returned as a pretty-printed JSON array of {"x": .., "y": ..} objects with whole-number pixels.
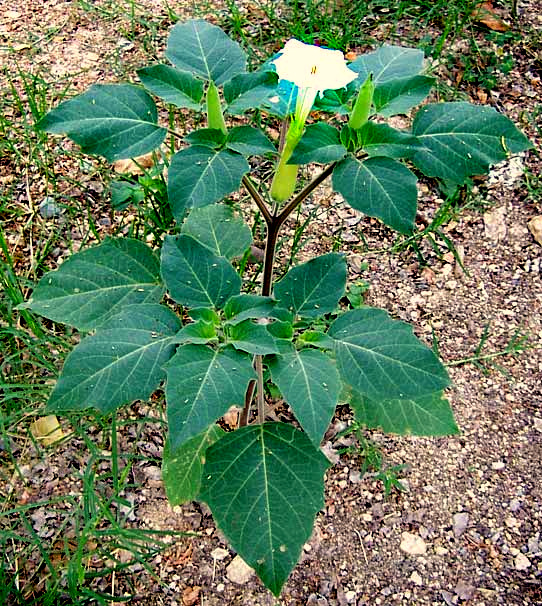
[
  {"x": 461, "y": 521},
  {"x": 238, "y": 571},
  {"x": 412, "y": 544},
  {"x": 498, "y": 465},
  {"x": 49, "y": 208},
  {"x": 416, "y": 578},
  {"x": 535, "y": 227},
  {"x": 521, "y": 562},
  {"x": 537, "y": 422},
  {"x": 219, "y": 553}
]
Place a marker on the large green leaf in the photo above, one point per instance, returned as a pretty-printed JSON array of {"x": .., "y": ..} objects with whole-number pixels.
[
  {"x": 383, "y": 140},
  {"x": 178, "y": 88},
  {"x": 320, "y": 143},
  {"x": 428, "y": 415},
  {"x": 264, "y": 485},
  {"x": 194, "y": 276},
  {"x": 96, "y": 283},
  {"x": 122, "y": 362},
  {"x": 199, "y": 176},
  {"x": 313, "y": 288},
  {"x": 389, "y": 63},
  {"x": 253, "y": 338},
  {"x": 310, "y": 384},
  {"x": 249, "y": 141},
  {"x": 219, "y": 229},
  {"x": 249, "y": 91},
  {"x": 381, "y": 357},
  {"x": 379, "y": 187},
  {"x": 113, "y": 120},
  {"x": 244, "y": 307},
  {"x": 203, "y": 49},
  {"x": 461, "y": 140},
  {"x": 398, "y": 96},
  {"x": 202, "y": 384},
  {"x": 182, "y": 468}
]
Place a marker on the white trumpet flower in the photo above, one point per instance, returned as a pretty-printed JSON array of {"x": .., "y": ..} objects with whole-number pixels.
[{"x": 313, "y": 70}]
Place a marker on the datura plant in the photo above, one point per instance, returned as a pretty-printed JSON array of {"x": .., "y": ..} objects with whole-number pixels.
[{"x": 180, "y": 318}]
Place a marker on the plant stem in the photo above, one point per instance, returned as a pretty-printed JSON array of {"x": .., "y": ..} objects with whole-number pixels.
[
  {"x": 274, "y": 222},
  {"x": 260, "y": 393},
  {"x": 258, "y": 199}
]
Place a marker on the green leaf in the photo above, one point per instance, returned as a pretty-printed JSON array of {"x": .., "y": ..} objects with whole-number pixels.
[
  {"x": 122, "y": 362},
  {"x": 249, "y": 91},
  {"x": 310, "y": 384},
  {"x": 199, "y": 332},
  {"x": 178, "y": 88},
  {"x": 264, "y": 485},
  {"x": 379, "y": 187},
  {"x": 199, "y": 176},
  {"x": 381, "y": 357},
  {"x": 208, "y": 137},
  {"x": 205, "y": 314},
  {"x": 124, "y": 193},
  {"x": 429, "y": 415},
  {"x": 320, "y": 143},
  {"x": 313, "y": 288},
  {"x": 399, "y": 96},
  {"x": 389, "y": 63},
  {"x": 249, "y": 141},
  {"x": 336, "y": 101},
  {"x": 253, "y": 338},
  {"x": 182, "y": 468},
  {"x": 316, "y": 338},
  {"x": 194, "y": 276},
  {"x": 205, "y": 50},
  {"x": 112, "y": 120},
  {"x": 202, "y": 384},
  {"x": 96, "y": 283},
  {"x": 461, "y": 140},
  {"x": 383, "y": 140},
  {"x": 219, "y": 229},
  {"x": 244, "y": 307}
]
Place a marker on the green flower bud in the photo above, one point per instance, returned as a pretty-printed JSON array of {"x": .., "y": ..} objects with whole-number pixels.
[
  {"x": 362, "y": 107},
  {"x": 215, "y": 117}
]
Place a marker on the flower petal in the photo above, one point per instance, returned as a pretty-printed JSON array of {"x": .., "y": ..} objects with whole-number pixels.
[{"x": 309, "y": 66}]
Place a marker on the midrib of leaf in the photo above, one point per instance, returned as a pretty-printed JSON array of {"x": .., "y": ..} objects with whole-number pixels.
[
  {"x": 203, "y": 53},
  {"x": 308, "y": 297},
  {"x": 268, "y": 509},
  {"x": 381, "y": 356}
]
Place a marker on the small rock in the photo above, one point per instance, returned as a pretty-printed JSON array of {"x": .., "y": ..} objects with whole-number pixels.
[
  {"x": 412, "y": 544},
  {"x": 515, "y": 505},
  {"x": 49, "y": 208},
  {"x": 521, "y": 562},
  {"x": 219, "y": 553},
  {"x": 537, "y": 423},
  {"x": 238, "y": 571},
  {"x": 494, "y": 224},
  {"x": 416, "y": 578},
  {"x": 461, "y": 521},
  {"x": 464, "y": 591},
  {"x": 533, "y": 545},
  {"x": 498, "y": 465},
  {"x": 535, "y": 227},
  {"x": 315, "y": 600},
  {"x": 449, "y": 598},
  {"x": 440, "y": 551}
]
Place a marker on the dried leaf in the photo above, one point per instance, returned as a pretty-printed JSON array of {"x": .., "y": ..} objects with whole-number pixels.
[
  {"x": 47, "y": 430},
  {"x": 134, "y": 166},
  {"x": 485, "y": 14},
  {"x": 191, "y": 595}
]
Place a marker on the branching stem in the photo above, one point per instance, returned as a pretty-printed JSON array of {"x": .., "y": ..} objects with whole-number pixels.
[{"x": 274, "y": 222}]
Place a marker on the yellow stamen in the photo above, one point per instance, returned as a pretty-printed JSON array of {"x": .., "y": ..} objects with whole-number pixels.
[{"x": 313, "y": 70}]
